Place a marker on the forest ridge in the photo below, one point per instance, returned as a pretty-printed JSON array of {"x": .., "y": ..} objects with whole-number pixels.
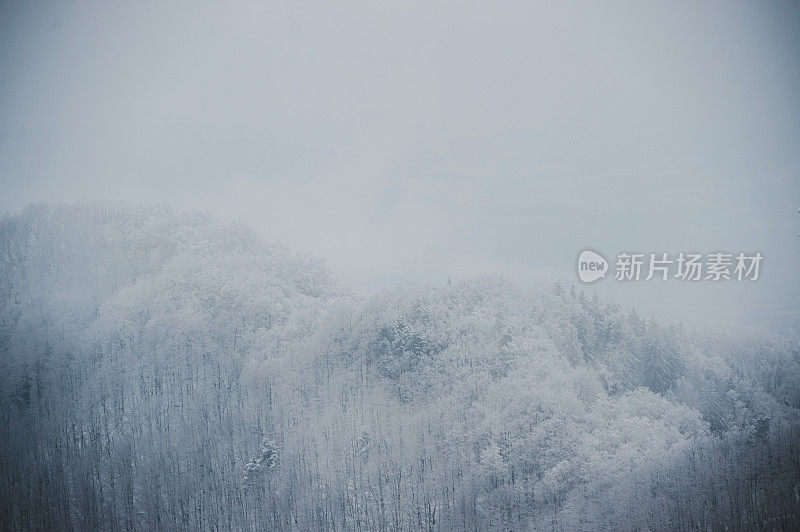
[{"x": 165, "y": 370}]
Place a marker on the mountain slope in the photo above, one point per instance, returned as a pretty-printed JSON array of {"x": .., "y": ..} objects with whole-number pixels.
[{"x": 164, "y": 370}]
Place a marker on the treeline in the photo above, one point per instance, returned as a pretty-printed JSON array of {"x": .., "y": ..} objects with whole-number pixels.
[{"x": 167, "y": 371}]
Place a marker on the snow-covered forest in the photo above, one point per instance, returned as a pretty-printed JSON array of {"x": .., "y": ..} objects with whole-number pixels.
[{"x": 167, "y": 371}]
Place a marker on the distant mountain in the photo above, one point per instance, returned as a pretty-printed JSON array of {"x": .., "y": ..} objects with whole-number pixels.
[{"x": 165, "y": 370}]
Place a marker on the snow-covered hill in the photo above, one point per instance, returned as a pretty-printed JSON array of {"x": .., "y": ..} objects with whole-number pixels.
[{"x": 165, "y": 370}]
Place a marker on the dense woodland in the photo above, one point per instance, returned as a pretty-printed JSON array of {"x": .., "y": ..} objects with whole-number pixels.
[{"x": 167, "y": 371}]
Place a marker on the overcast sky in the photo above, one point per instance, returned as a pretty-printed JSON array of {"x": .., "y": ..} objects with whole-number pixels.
[{"x": 428, "y": 140}]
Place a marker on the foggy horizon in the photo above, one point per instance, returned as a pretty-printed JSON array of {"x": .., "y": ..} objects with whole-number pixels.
[{"x": 408, "y": 145}]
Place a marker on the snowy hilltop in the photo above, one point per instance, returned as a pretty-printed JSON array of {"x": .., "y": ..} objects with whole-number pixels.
[{"x": 165, "y": 370}]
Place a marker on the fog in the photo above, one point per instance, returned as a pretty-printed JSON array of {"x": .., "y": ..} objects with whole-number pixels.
[
  {"x": 412, "y": 143},
  {"x": 420, "y": 350}
]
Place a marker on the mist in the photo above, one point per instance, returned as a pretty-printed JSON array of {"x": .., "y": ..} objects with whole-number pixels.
[
  {"x": 414, "y": 143},
  {"x": 289, "y": 265}
]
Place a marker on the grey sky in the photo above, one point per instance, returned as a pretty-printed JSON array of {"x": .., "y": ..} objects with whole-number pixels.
[{"x": 413, "y": 142}]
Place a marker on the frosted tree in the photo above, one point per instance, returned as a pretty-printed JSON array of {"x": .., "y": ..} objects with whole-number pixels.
[{"x": 264, "y": 462}]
